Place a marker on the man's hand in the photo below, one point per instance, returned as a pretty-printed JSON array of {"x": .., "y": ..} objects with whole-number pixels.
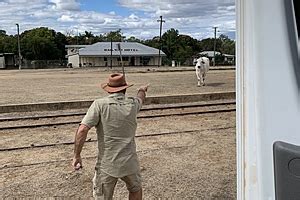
[
  {"x": 77, "y": 163},
  {"x": 142, "y": 92},
  {"x": 145, "y": 87},
  {"x": 80, "y": 138}
]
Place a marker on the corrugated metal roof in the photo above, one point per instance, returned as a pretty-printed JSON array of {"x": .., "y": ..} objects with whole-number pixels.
[
  {"x": 3, "y": 54},
  {"x": 209, "y": 53},
  {"x": 228, "y": 55},
  {"x": 128, "y": 49},
  {"x": 76, "y": 46}
]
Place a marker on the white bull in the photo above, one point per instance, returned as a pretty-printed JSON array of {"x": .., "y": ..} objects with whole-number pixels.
[{"x": 202, "y": 67}]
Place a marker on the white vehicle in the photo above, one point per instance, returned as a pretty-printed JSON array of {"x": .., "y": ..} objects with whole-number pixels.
[{"x": 268, "y": 100}]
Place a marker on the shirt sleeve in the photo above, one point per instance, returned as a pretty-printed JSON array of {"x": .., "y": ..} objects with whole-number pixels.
[
  {"x": 93, "y": 116},
  {"x": 138, "y": 102}
]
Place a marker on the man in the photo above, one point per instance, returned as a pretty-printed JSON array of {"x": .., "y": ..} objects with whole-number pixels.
[{"x": 114, "y": 117}]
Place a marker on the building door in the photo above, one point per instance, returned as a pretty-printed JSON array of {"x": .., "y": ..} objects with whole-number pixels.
[
  {"x": 2, "y": 62},
  {"x": 132, "y": 61}
]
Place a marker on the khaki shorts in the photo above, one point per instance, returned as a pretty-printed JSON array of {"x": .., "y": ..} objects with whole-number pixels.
[{"x": 104, "y": 184}]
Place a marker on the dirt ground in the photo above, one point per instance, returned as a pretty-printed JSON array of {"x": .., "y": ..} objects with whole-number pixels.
[
  {"x": 29, "y": 86},
  {"x": 196, "y": 160}
]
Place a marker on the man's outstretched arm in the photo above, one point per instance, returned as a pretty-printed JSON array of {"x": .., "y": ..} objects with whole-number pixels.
[
  {"x": 142, "y": 92},
  {"x": 80, "y": 138}
]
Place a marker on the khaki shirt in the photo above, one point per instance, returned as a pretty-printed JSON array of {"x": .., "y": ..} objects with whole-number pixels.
[{"x": 115, "y": 119}]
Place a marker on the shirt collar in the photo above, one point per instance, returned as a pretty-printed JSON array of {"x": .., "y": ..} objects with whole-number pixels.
[{"x": 117, "y": 94}]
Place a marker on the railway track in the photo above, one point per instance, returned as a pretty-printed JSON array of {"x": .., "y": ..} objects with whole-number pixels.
[
  {"x": 6, "y": 166},
  {"x": 146, "y": 113},
  {"x": 32, "y": 146},
  {"x": 56, "y": 152},
  {"x": 153, "y": 111}
]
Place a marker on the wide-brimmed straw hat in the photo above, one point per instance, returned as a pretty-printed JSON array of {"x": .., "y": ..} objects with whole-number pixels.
[{"x": 116, "y": 82}]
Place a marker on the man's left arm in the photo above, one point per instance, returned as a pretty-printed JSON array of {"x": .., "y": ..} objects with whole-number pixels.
[{"x": 80, "y": 138}]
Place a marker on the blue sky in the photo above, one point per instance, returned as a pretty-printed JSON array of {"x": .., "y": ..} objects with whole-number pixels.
[
  {"x": 136, "y": 18},
  {"x": 104, "y": 6}
]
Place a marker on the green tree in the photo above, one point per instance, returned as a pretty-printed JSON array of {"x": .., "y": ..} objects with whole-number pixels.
[
  {"x": 8, "y": 43},
  {"x": 88, "y": 37},
  {"x": 115, "y": 36},
  {"x": 227, "y": 45},
  {"x": 42, "y": 44},
  {"x": 133, "y": 39},
  {"x": 169, "y": 43},
  {"x": 2, "y": 33},
  {"x": 186, "y": 48},
  {"x": 154, "y": 42},
  {"x": 60, "y": 41}
]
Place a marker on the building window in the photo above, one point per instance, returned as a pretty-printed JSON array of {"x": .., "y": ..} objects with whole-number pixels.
[{"x": 144, "y": 61}]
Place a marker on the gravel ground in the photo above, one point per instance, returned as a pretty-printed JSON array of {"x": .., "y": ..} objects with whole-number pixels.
[
  {"x": 30, "y": 86},
  {"x": 196, "y": 163}
]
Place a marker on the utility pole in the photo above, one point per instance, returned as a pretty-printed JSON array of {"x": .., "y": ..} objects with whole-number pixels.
[
  {"x": 120, "y": 49},
  {"x": 19, "y": 47},
  {"x": 215, "y": 42},
  {"x": 77, "y": 37},
  {"x": 111, "y": 52},
  {"x": 161, "y": 21}
]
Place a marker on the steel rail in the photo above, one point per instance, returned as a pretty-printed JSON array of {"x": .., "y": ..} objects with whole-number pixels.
[
  {"x": 32, "y": 146},
  {"x": 153, "y": 107},
  {"x": 5, "y": 166},
  {"x": 139, "y": 117}
]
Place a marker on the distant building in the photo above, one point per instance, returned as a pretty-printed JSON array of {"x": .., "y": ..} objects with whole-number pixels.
[
  {"x": 7, "y": 60},
  {"x": 229, "y": 59},
  {"x": 74, "y": 49},
  {"x": 101, "y": 54},
  {"x": 209, "y": 54}
]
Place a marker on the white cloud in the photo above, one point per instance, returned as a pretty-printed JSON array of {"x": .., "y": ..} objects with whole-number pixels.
[
  {"x": 66, "y": 4},
  {"x": 133, "y": 17},
  {"x": 65, "y": 18},
  {"x": 192, "y": 17},
  {"x": 187, "y": 16}
]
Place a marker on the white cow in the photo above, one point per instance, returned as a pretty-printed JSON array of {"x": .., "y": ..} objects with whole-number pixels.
[{"x": 202, "y": 67}]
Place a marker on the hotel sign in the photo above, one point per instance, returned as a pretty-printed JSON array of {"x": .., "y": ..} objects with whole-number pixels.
[{"x": 121, "y": 50}]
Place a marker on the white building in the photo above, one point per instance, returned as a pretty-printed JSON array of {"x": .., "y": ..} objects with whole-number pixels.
[
  {"x": 210, "y": 54},
  {"x": 104, "y": 54},
  {"x": 7, "y": 60}
]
